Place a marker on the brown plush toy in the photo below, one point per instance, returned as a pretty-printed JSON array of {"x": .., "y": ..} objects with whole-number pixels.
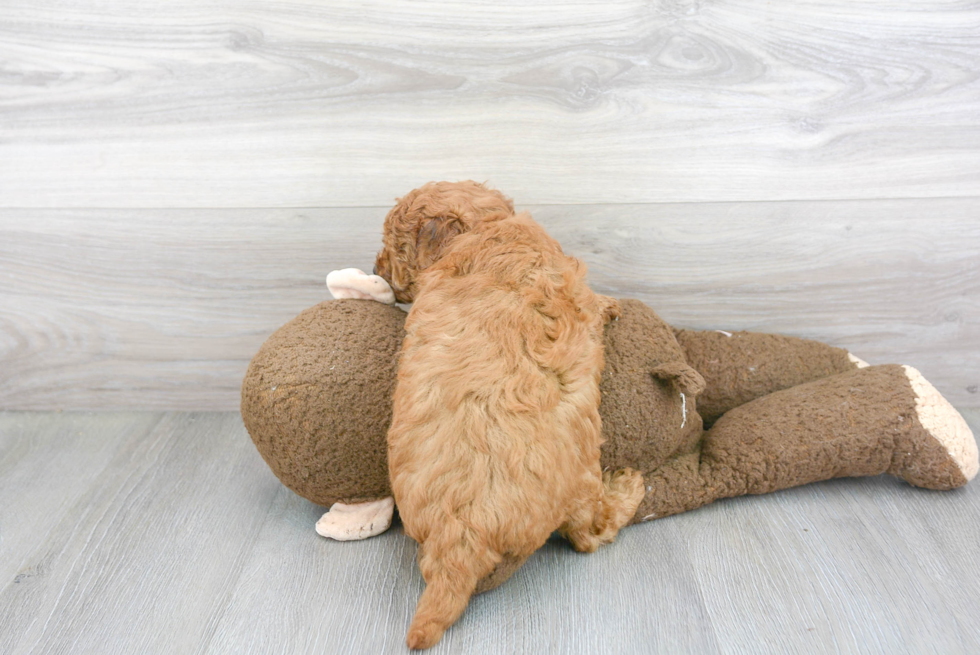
[{"x": 781, "y": 412}]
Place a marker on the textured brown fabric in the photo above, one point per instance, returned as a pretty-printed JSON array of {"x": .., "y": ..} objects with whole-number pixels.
[
  {"x": 317, "y": 397},
  {"x": 317, "y": 403},
  {"x": 317, "y": 400},
  {"x": 853, "y": 424},
  {"x": 748, "y": 365},
  {"x": 834, "y": 427},
  {"x": 643, "y": 418},
  {"x": 675, "y": 487}
]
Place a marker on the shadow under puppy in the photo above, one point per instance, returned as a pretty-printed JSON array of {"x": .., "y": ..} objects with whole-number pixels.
[{"x": 495, "y": 434}]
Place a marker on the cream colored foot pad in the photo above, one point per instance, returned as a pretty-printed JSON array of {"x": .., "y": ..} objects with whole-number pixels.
[
  {"x": 351, "y": 522},
  {"x": 944, "y": 423}
]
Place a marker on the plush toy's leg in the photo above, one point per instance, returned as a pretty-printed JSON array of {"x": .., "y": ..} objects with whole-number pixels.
[
  {"x": 359, "y": 521},
  {"x": 880, "y": 419},
  {"x": 674, "y": 487},
  {"x": 741, "y": 366}
]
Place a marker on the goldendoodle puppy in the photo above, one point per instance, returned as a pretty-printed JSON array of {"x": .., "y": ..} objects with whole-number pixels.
[{"x": 494, "y": 442}]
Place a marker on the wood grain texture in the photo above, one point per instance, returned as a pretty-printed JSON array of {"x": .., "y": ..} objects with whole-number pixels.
[
  {"x": 46, "y": 462},
  {"x": 163, "y": 309},
  {"x": 177, "y": 538},
  {"x": 146, "y": 554},
  {"x": 244, "y": 103}
]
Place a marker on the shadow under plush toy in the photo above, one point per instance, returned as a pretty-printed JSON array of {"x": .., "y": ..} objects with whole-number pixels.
[{"x": 782, "y": 412}]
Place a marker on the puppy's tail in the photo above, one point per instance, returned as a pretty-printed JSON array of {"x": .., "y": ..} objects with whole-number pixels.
[{"x": 451, "y": 575}]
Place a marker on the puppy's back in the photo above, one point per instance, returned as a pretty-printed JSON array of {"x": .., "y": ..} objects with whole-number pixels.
[{"x": 496, "y": 419}]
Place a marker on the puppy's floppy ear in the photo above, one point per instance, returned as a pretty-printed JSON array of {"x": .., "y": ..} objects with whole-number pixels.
[{"x": 433, "y": 237}]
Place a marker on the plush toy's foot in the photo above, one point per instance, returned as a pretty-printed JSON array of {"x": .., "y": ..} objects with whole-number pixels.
[
  {"x": 351, "y": 522},
  {"x": 355, "y": 283},
  {"x": 946, "y": 456}
]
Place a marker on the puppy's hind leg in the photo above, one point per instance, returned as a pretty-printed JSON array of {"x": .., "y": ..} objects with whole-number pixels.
[
  {"x": 624, "y": 493},
  {"x": 451, "y": 569},
  {"x": 592, "y": 524}
]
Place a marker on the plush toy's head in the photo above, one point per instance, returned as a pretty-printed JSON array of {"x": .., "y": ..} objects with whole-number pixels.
[
  {"x": 648, "y": 403},
  {"x": 317, "y": 397},
  {"x": 316, "y": 400},
  {"x": 420, "y": 226}
]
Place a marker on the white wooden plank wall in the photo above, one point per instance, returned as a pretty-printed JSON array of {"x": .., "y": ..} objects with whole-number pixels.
[
  {"x": 177, "y": 179},
  {"x": 244, "y": 103},
  {"x": 163, "y": 309}
]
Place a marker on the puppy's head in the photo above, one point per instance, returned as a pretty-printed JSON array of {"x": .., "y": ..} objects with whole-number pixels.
[{"x": 420, "y": 228}]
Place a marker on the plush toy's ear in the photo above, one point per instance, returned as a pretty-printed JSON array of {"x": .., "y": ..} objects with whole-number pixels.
[{"x": 686, "y": 379}]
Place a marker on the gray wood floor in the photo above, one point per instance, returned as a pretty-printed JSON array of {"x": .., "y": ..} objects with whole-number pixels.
[{"x": 166, "y": 533}]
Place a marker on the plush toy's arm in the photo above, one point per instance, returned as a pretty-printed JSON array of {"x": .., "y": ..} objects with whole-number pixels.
[
  {"x": 355, "y": 283},
  {"x": 350, "y": 522},
  {"x": 741, "y": 366}
]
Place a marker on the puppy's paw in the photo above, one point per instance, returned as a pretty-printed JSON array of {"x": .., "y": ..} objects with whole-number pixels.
[{"x": 625, "y": 492}]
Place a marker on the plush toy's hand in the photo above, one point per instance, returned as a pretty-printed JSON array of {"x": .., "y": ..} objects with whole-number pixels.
[
  {"x": 351, "y": 522},
  {"x": 355, "y": 283}
]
